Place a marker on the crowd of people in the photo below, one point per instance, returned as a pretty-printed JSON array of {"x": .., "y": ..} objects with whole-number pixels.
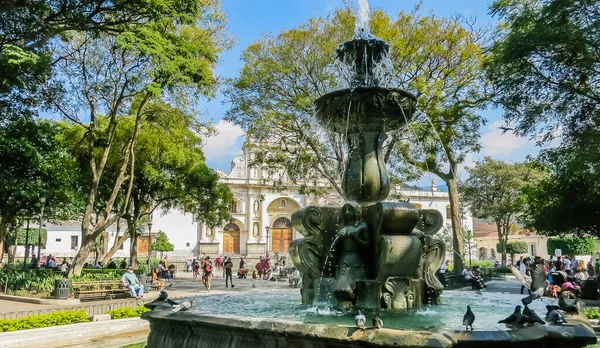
[{"x": 223, "y": 266}]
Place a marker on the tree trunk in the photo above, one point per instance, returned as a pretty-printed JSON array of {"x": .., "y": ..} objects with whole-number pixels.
[
  {"x": 119, "y": 240},
  {"x": 11, "y": 250},
  {"x": 87, "y": 245},
  {"x": 501, "y": 244},
  {"x": 3, "y": 229},
  {"x": 131, "y": 230},
  {"x": 458, "y": 241}
]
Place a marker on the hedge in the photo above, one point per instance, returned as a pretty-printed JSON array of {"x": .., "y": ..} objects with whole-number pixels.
[
  {"x": 571, "y": 245},
  {"x": 43, "y": 320},
  {"x": 127, "y": 312}
]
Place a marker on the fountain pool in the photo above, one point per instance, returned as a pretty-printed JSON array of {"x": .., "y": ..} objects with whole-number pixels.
[{"x": 286, "y": 304}]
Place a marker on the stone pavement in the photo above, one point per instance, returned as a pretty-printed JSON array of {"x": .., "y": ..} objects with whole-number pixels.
[{"x": 181, "y": 287}]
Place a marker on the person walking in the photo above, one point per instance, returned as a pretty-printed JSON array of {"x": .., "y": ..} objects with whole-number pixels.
[
  {"x": 568, "y": 265},
  {"x": 208, "y": 269},
  {"x": 524, "y": 269},
  {"x": 228, "y": 277}
]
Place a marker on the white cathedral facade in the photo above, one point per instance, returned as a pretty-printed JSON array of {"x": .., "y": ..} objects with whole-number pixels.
[{"x": 261, "y": 218}]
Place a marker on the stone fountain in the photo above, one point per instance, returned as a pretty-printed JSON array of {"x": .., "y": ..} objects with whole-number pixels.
[{"x": 369, "y": 253}]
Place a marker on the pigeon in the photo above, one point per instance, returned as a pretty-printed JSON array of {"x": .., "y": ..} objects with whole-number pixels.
[
  {"x": 514, "y": 318},
  {"x": 531, "y": 316},
  {"x": 568, "y": 306},
  {"x": 360, "y": 320},
  {"x": 556, "y": 317},
  {"x": 377, "y": 322},
  {"x": 162, "y": 296},
  {"x": 184, "y": 306},
  {"x": 468, "y": 319}
]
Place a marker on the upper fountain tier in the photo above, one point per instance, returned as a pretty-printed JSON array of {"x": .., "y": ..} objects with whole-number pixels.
[{"x": 365, "y": 105}]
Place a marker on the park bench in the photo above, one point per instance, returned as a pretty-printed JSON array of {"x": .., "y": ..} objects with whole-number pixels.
[{"x": 98, "y": 289}]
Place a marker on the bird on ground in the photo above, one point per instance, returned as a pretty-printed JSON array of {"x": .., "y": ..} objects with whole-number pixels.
[
  {"x": 377, "y": 322},
  {"x": 569, "y": 306},
  {"x": 183, "y": 306},
  {"x": 162, "y": 296},
  {"x": 468, "y": 319},
  {"x": 555, "y": 316},
  {"x": 531, "y": 316},
  {"x": 360, "y": 320},
  {"x": 514, "y": 318}
]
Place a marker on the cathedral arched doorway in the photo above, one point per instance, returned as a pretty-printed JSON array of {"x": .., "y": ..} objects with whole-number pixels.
[
  {"x": 282, "y": 235},
  {"x": 231, "y": 239}
]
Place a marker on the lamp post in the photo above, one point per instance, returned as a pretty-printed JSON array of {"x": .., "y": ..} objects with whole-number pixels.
[
  {"x": 26, "y": 244},
  {"x": 469, "y": 242},
  {"x": 149, "y": 242},
  {"x": 268, "y": 228},
  {"x": 42, "y": 202}
]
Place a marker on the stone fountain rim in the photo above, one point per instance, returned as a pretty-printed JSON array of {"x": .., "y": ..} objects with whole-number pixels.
[{"x": 578, "y": 328}]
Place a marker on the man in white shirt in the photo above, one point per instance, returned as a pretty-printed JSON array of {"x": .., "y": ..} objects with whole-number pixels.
[
  {"x": 442, "y": 272},
  {"x": 523, "y": 269},
  {"x": 567, "y": 264}
]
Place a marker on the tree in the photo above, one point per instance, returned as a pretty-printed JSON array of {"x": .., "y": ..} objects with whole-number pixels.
[
  {"x": 547, "y": 50},
  {"x": 494, "y": 191},
  {"x": 170, "y": 172},
  {"x": 571, "y": 246},
  {"x": 438, "y": 58},
  {"x": 118, "y": 77},
  {"x": 567, "y": 201},
  {"x": 162, "y": 243},
  {"x": 544, "y": 66},
  {"x": 29, "y": 28},
  {"x": 512, "y": 248},
  {"x": 34, "y": 163}
]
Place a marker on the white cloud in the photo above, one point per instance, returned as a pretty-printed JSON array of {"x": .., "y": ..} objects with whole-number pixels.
[
  {"x": 222, "y": 144},
  {"x": 495, "y": 142}
]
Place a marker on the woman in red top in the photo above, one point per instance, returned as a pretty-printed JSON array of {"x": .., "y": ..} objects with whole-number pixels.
[{"x": 207, "y": 268}]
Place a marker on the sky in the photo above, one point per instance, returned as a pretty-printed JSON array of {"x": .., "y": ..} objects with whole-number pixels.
[{"x": 250, "y": 19}]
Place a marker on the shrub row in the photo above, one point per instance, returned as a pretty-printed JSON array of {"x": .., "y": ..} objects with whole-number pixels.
[
  {"x": 43, "y": 320},
  {"x": 127, "y": 312}
]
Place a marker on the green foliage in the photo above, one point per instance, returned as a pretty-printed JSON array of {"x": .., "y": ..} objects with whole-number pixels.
[
  {"x": 512, "y": 248},
  {"x": 571, "y": 246},
  {"x": 32, "y": 281},
  {"x": 43, "y": 320},
  {"x": 127, "y": 312},
  {"x": 34, "y": 164},
  {"x": 162, "y": 243},
  {"x": 494, "y": 191},
  {"x": 547, "y": 50},
  {"x": 21, "y": 235},
  {"x": 567, "y": 202},
  {"x": 592, "y": 314}
]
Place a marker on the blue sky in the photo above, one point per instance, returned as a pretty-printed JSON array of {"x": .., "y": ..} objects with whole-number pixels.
[{"x": 250, "y": 19}]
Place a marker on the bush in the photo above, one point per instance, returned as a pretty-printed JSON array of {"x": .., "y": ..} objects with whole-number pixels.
[
  {"x": 43, "y": 320},
  {"x": 127, "y": 312},
  {"x": 516, "y": 247},
  {"x": 571, "y": 245},
  {"x": 592, "y": 314}
]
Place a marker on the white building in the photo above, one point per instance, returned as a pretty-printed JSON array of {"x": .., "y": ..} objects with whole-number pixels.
[
  {"x": 261, "y": 218},
  {"x": 64, "y": 240},
  {"x": 261, "y": 215}
]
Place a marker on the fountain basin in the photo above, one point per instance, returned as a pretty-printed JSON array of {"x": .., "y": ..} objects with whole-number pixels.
[
  {"x": 262, "y": 318},
  {"x": 365, "y": 108}
]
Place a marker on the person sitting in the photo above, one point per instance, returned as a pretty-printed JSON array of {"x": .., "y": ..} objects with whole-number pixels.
[
  {"x": 468, "y": 276},
  {"x": 478, "y": 280},
  {"x": 159, "y": 285},
  {"x": 131, "y": 281},
  {"x": 580, "y": 276},
  {"x": 64, "y": 267},
  {"x": 164, "y": 271},
  {"x": 123, "y": 264},
  {"x": 112, "y": 265},
  {"x": 51, "y": 262}
]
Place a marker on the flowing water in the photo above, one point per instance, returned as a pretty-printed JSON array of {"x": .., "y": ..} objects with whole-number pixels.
[{"x": 489, "y": 308}]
